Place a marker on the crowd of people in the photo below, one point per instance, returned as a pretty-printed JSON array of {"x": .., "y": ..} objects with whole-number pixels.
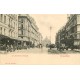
[
  {"x": 12, "y": 47},
  {"x": 7, "y": 48}
]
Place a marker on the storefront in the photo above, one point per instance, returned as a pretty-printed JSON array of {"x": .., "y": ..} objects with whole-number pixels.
[{"x": 7, "y": 42}]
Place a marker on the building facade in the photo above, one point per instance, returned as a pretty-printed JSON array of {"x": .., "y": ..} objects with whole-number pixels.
[
  {"x": 40, "y": 38},
  {"x": 19, "y": 31},
  {"x": 28, "y": 30},
  {"x": 70, "y": 33},
  {"x": 9, "y": 25},
  {"x": 8, "y": 29}
]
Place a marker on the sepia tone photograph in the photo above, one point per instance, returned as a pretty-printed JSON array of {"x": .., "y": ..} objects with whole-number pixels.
[{"x": 40, "y": 39}]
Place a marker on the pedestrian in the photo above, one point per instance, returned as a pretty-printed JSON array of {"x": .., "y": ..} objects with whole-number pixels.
[
  {"x": 11, "y": 48},
  {"x": 7, "y": 48}
]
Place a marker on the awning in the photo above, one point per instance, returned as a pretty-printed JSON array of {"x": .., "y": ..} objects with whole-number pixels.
[
  {"x": 11, "y": 38},
  {"x": 3, "y": 36}
]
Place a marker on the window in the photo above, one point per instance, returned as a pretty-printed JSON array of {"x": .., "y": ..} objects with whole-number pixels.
[
  {"x": 9, "y": 21},
  {"x": 78, "y": 36},
  {"x": 0, "y": 30},
  {"x": 22, "y": 26},
  {"x": 19, "y": 32},
  {"x": 78, "y": 28},
  {"x": 21, "y": 20},
  {"x": 4, "y": 31},
  {"x": 14, "y": 24},
  {"x": 78, "y": 19},
  {"x": 76, "y": 43},
  {"x": 1, "y": 17},
  {"x": 11, "y": 34},
  {"x": 4, "y": 19},
  {"x": 22, "y": 32}
]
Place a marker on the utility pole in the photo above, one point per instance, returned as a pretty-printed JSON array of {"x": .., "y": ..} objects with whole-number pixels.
[{"x": 50, "y": 34}]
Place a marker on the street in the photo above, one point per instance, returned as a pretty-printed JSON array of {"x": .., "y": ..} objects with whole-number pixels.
[{"x": 39, "y": 56}]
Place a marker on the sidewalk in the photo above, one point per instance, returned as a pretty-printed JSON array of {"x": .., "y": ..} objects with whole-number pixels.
[
  {"x": 1, "y": 52},
  {"x": 64, "y": 51},
  {"x": 76, "y": 50}
]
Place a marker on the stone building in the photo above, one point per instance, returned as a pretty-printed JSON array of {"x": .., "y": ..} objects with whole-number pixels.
[
  {"x": 40, "y": 38},
  {"x": 19, "y": 31},
  {"x": 8, "y": 29},
  {"x": 70, "y": 33},
  {"x": 28, "y": 30}
]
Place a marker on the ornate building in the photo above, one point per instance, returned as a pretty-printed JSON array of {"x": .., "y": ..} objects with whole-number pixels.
[
  {"x": 8, "y": 29},
  {"x": 70, "y": 33},
  {"x": 28, "y": 30},
  {"x": 19, "y": 31}
]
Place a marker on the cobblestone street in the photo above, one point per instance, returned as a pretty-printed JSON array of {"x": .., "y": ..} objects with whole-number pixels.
[{"x": 39, "y": 56}]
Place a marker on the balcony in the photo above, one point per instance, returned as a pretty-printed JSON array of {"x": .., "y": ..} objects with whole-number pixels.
[{"x": 22, "y": 35}]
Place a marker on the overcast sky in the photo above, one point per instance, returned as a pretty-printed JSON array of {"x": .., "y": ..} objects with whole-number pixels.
[{"x": 44, "y": 21}]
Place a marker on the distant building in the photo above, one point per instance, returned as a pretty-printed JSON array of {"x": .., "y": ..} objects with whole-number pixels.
[{"x": 46, "y": 42}]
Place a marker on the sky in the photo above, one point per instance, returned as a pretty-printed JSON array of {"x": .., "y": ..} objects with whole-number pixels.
[{"x": 44, "y": 21}]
